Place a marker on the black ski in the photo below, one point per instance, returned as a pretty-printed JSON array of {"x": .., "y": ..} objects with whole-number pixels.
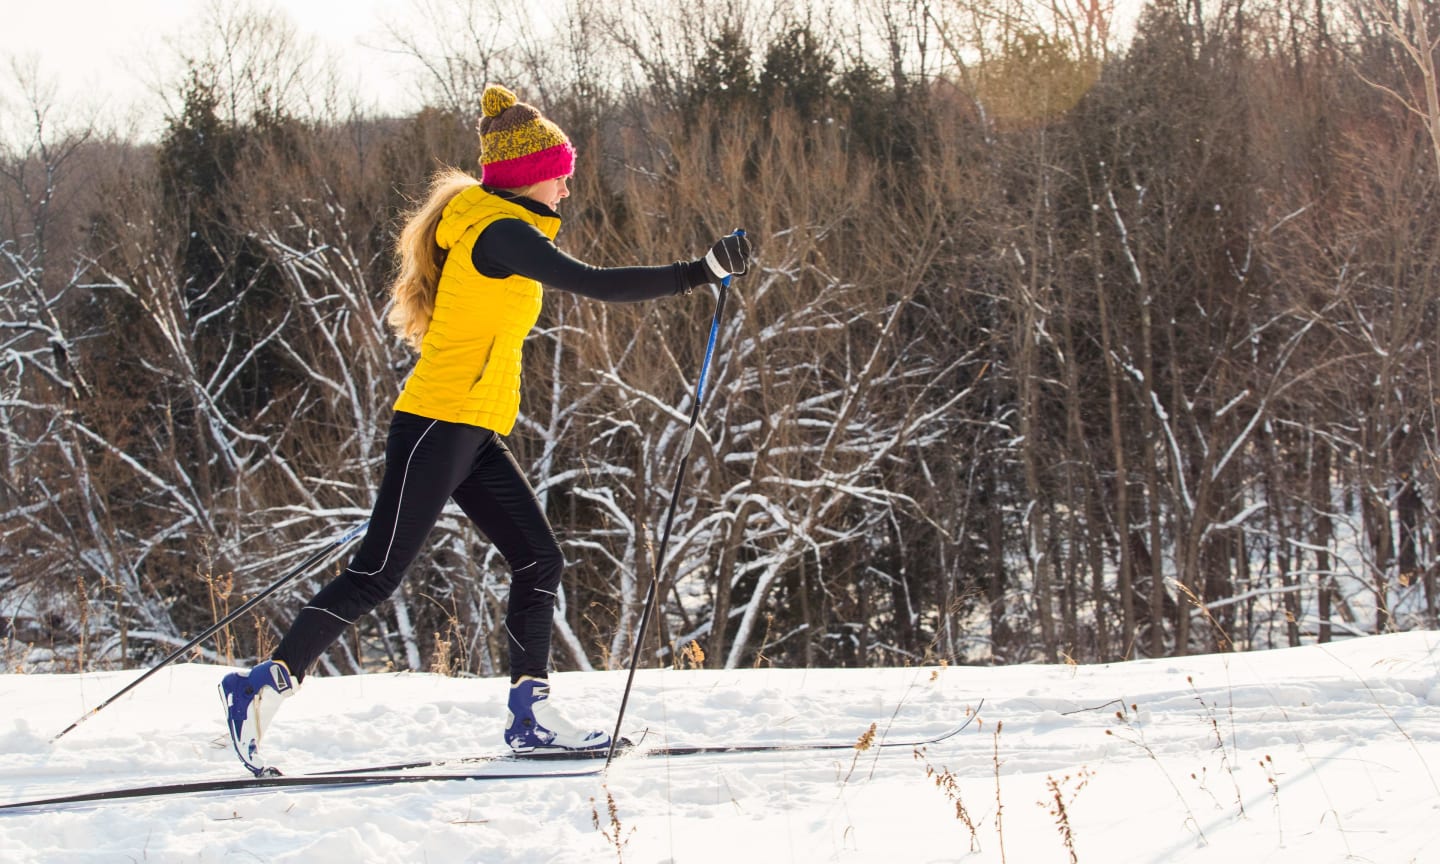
[
  {"x": 304, "y": 781},
  {"x": 884, "y": 744},
  {"x": 627, "y": 746}
]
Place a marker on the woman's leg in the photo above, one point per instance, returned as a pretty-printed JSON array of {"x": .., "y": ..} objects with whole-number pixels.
[
  {"x": 497, "y": 497},
  {"x": 500, "y": 501},
  {"x": 424, "y": 461}
]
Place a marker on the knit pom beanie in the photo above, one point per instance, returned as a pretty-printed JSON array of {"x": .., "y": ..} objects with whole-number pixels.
[{"x": 518, "y": 146}]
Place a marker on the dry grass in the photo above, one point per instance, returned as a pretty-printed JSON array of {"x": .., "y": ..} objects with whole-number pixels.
[
  {"x": 948, "y": 783},
  {"x": 1059, "y": 807},
  {"x": 612, "y": 830}
]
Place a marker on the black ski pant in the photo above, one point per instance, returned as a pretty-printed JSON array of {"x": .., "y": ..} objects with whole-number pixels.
[{"x": 427, "y": 462}]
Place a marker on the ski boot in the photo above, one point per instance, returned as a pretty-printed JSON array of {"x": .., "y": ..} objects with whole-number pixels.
[
  {"x": 535, "y": 727},
  {"x": 251, "y": 700}
]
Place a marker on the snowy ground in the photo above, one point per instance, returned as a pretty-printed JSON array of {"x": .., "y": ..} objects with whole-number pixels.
[{"x": 1317, "y": 754}]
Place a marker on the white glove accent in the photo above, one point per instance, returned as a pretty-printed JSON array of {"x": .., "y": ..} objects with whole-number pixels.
[{"x": 715, "y": 266}]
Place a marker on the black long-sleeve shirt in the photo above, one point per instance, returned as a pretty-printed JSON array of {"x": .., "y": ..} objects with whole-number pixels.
[{"x": 509, "y": 247}]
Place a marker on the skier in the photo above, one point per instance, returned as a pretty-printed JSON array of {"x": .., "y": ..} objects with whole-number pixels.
[{"x": 472, "y": 259}]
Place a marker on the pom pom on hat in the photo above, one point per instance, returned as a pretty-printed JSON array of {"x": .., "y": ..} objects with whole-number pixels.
[
  {"x": 496, "y": 99},
  {"x": 518, "y": 145}
]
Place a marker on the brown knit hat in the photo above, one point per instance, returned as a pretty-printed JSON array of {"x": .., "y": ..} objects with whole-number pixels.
[{"x": 518, "y": 146}]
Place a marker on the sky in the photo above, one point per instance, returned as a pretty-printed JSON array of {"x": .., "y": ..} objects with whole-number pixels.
[
  {"x": 110, "y": 60},
  {"x": 1315, "y": 755},
  {"x": 106, "y": 56}
]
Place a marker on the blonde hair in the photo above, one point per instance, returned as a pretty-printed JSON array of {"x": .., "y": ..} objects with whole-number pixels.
[{"x": 421, "y": 258}]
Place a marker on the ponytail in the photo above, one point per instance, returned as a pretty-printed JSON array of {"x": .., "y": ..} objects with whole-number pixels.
[{"x": 421, "y": 258}]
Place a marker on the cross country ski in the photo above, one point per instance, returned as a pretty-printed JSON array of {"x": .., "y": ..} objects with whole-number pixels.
[{"x": 480, "y": 768}]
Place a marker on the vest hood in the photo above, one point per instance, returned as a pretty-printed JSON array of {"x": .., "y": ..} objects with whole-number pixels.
[{"x": 476, "y": 204}]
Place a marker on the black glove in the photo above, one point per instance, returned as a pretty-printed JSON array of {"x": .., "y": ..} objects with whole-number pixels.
[{"x": 730, "y": 256}]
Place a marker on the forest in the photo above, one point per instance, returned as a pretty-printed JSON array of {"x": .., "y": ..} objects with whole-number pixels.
[{"x": 1062, "y": 344}]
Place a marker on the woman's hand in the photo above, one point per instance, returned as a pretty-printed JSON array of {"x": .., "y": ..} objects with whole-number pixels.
[{"x": 730, "y": 256}]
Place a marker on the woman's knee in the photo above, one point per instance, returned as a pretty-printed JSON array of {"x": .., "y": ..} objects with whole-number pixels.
[
  {"x": 543, "y": 572},
  {"x": 355, "y": 592}
]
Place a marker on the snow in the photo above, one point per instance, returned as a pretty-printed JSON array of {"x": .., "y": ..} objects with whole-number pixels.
[{"x": 1315, "y": 754}]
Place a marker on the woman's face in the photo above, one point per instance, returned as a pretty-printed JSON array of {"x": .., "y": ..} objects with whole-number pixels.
[{"x": 551, "y": 192}]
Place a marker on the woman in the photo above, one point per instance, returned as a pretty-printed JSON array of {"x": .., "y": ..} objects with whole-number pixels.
[{"x": 472, "y": 260}]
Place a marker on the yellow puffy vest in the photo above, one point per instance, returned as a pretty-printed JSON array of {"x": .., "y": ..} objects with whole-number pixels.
[{"x": 469, "y": 367}]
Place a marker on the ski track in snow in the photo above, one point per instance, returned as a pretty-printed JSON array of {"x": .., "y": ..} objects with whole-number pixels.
[{"x": 1316, "y": 754}]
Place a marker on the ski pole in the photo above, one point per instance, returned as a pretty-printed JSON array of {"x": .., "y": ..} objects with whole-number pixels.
[
  {"x": 245, "y": 607},
  {"x": 649, "y": 605}
]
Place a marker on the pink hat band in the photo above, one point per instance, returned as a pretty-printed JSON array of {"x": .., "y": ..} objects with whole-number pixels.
[{"x": 547, "y": 164}]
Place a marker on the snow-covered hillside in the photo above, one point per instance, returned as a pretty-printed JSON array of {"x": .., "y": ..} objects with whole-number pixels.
[{"x": 1316, "y": 754}]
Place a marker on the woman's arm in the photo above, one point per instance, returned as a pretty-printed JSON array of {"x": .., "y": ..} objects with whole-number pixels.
[{"x": 513, "y": 247}]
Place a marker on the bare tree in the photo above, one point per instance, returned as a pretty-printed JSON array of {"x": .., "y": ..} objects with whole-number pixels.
[
  {"x": 461, "y": 46},
  {"x": 1410, "y": 25}
]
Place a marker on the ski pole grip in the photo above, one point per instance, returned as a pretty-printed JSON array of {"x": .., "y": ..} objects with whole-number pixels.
[{"x": 738, "y": 232}]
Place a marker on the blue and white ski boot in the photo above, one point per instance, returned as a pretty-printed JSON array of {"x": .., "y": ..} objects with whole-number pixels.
[
  {"x": 251, "y": 700},
  {"x": 535, "y": 727}
]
